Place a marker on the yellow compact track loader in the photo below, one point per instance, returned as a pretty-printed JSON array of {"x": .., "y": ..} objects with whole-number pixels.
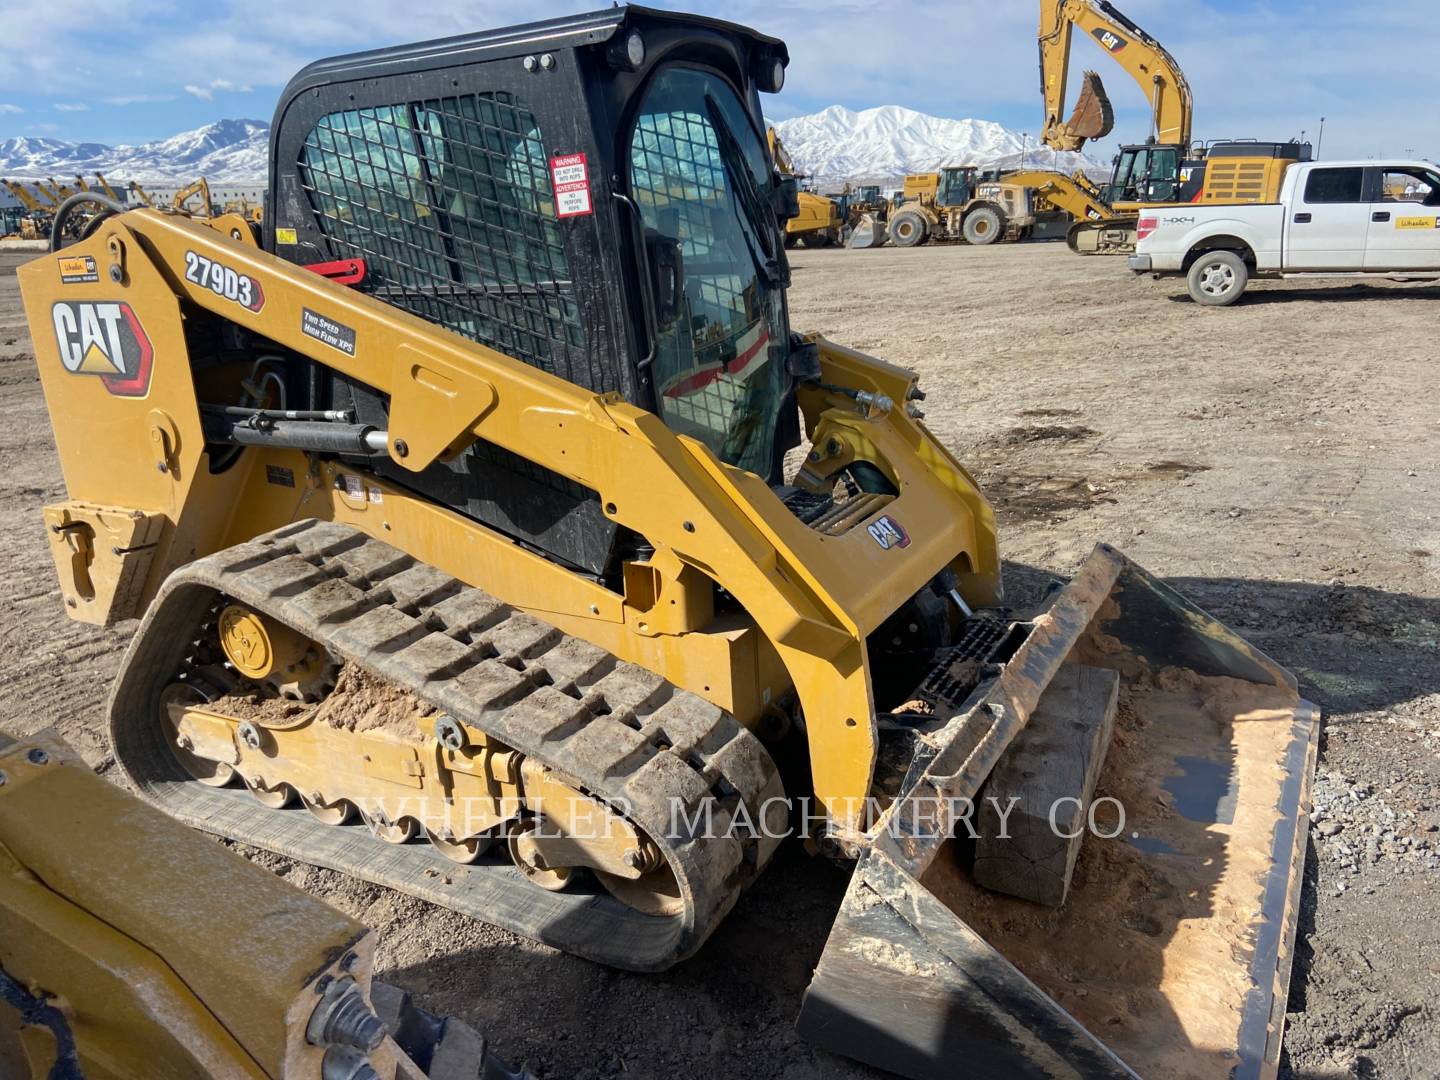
[{"x": 458, "y": 508}]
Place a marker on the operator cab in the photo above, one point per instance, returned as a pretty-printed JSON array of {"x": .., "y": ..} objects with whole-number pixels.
[
  {"x": 1147, "y": 173},
  {"x": 957, "y": 185},
  {"x": 591, "y": 195}
]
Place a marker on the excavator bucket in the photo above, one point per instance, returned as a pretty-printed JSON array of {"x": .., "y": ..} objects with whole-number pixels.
[
  {"x": 1093, "y": 116},
  {"x": 869, "y": 232},
  {"x": 1169, "y": 952}
]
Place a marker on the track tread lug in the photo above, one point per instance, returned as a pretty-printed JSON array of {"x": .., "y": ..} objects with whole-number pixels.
[
  {"x": 520, "y": 636},
  {"x": 379, "y": 630},
  {"x": 421, "y": 586},
  {"x": 469, "y": 612},
  {"x": 437, "y": 656},
  {"x": 287, "y": 576},
  {"x": 333, "y": 600},
  {"x": 490, "y": 685},
  {"x": 627, "y": 691},
  {"x": 574, "y": 664},
  {"x": 663, "y": 778},
  {"x": 546, "y": 714},
  {"x": 608, "y": 748},
  {"x": 689, "y": 724},
  {"x": 371, "y": 563}
]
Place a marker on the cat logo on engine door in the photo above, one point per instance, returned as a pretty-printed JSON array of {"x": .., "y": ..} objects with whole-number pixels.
[
  {"x": 888, "y": 533},
  {"x": 104, "y": 339}
]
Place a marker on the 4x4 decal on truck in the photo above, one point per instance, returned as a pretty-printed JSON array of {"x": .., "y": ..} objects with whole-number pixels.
[
  {"x": 104, "y": 339},
  {"x": 1418, "y": 222}
]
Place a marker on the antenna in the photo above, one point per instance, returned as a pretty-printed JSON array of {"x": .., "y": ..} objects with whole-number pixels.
[{"x": 1320, "y": 139}]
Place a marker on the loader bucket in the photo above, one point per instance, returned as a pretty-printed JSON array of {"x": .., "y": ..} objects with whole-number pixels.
[
  {"x": 1170, "y": 955},
  {"x": 868, "y": 233}
]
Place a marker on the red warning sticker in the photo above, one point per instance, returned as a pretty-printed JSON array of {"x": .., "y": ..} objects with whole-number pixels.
[{"x": 572, "y": 185}]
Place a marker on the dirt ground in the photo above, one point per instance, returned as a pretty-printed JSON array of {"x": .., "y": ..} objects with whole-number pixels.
[{"x": 1275, "y": 461}]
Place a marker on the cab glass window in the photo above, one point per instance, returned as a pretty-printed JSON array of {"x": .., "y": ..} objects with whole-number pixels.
[
  {"x": 1410, "y": 185},
  {"x": 449, "y": 203},
  {"x": 701, "y": 177},
  {"x": 1334, "y": 185}
]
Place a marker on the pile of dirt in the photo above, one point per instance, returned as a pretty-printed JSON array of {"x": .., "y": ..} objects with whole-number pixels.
[{"x": 360, "y": 701}]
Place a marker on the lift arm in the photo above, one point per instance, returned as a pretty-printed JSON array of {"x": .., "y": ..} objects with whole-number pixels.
[{"x": 1154, "y": 70}]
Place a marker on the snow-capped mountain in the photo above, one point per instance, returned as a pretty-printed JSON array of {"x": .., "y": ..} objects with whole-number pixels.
[
  {"x": 881, "y": 145},
  {"x": 832, "y": 146},
  {"x": 227, "y": 151}
]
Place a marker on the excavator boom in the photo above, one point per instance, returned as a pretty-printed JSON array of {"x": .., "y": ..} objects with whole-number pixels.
[
  {"x": 22, "y": 195},
  {"x": 1154, "y": 70}
]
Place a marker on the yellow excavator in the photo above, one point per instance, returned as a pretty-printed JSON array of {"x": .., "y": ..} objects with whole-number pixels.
[
  {"x": 497, "y": 540},
  {"x": 35, "y": 224},
  {"x": 818, "y": 222},
  {"x": 1164, "y": 170}
]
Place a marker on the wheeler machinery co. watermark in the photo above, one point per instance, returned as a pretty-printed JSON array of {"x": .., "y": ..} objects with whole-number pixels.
[{"x": 777, "y": 818}]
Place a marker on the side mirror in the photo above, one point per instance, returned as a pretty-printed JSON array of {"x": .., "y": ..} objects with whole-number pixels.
[
  {"x": 667, "y": 276},
  {"x": 786, "y": 199}
]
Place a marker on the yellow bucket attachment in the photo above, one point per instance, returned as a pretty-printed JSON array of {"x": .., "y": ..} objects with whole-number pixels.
[
  {"x": 1170, "y": 954},
  {"x": 869, "y": 232}
]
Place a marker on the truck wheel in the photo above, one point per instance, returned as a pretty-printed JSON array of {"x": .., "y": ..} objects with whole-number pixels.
[
  {"x": 1217, "y": 278},
  {"x": 983, "y": 225},
  {"x": 908, "y": 228}
]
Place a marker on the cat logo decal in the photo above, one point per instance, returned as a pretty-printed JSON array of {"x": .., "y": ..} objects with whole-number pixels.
[{"x": 105, "y": 339}]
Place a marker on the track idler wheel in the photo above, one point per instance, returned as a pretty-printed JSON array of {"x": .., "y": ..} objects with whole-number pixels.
[
  {"x": 172, "y": 700},
  {"x": 267, "y": 651}
]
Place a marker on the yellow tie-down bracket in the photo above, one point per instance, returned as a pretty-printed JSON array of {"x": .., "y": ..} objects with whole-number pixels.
[{"x": 103, "y": 556}]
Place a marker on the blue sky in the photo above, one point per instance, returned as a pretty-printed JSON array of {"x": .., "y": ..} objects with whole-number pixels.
[{"x": 146, "y": 69}]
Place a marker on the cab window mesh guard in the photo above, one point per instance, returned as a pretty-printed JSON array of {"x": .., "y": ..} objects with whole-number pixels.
[{"x": 449, "y": 202}]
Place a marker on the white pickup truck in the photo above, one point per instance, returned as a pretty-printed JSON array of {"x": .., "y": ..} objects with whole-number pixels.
[{"x": 1334, "y": 218}]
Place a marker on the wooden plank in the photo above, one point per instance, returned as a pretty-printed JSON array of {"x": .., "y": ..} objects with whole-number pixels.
[{"x": 1052, "y": 763}]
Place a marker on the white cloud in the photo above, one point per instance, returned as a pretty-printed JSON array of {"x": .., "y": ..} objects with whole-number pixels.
[
  {"x": 43, "y": 127},
  {"x": 207, "y": 92},
  {"x": 1357, "y": 64},
  {"x": 7, "y": 108},
  {"x": 138, "y": 99},
  {"x": 71, "y": 107}
]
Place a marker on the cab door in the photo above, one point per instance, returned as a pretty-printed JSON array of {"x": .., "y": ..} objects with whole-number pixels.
[
  {"x": 1328, "y": 221},
  {"x": 1404, "y": 220}
]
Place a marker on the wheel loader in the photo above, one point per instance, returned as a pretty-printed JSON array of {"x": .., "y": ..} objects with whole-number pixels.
[
  {"x": 818, "y": 220},
  {"x": 493, "y": 535}
]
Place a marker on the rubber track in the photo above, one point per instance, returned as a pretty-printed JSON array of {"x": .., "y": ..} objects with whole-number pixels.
[{"x": 616, "y": 730}]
